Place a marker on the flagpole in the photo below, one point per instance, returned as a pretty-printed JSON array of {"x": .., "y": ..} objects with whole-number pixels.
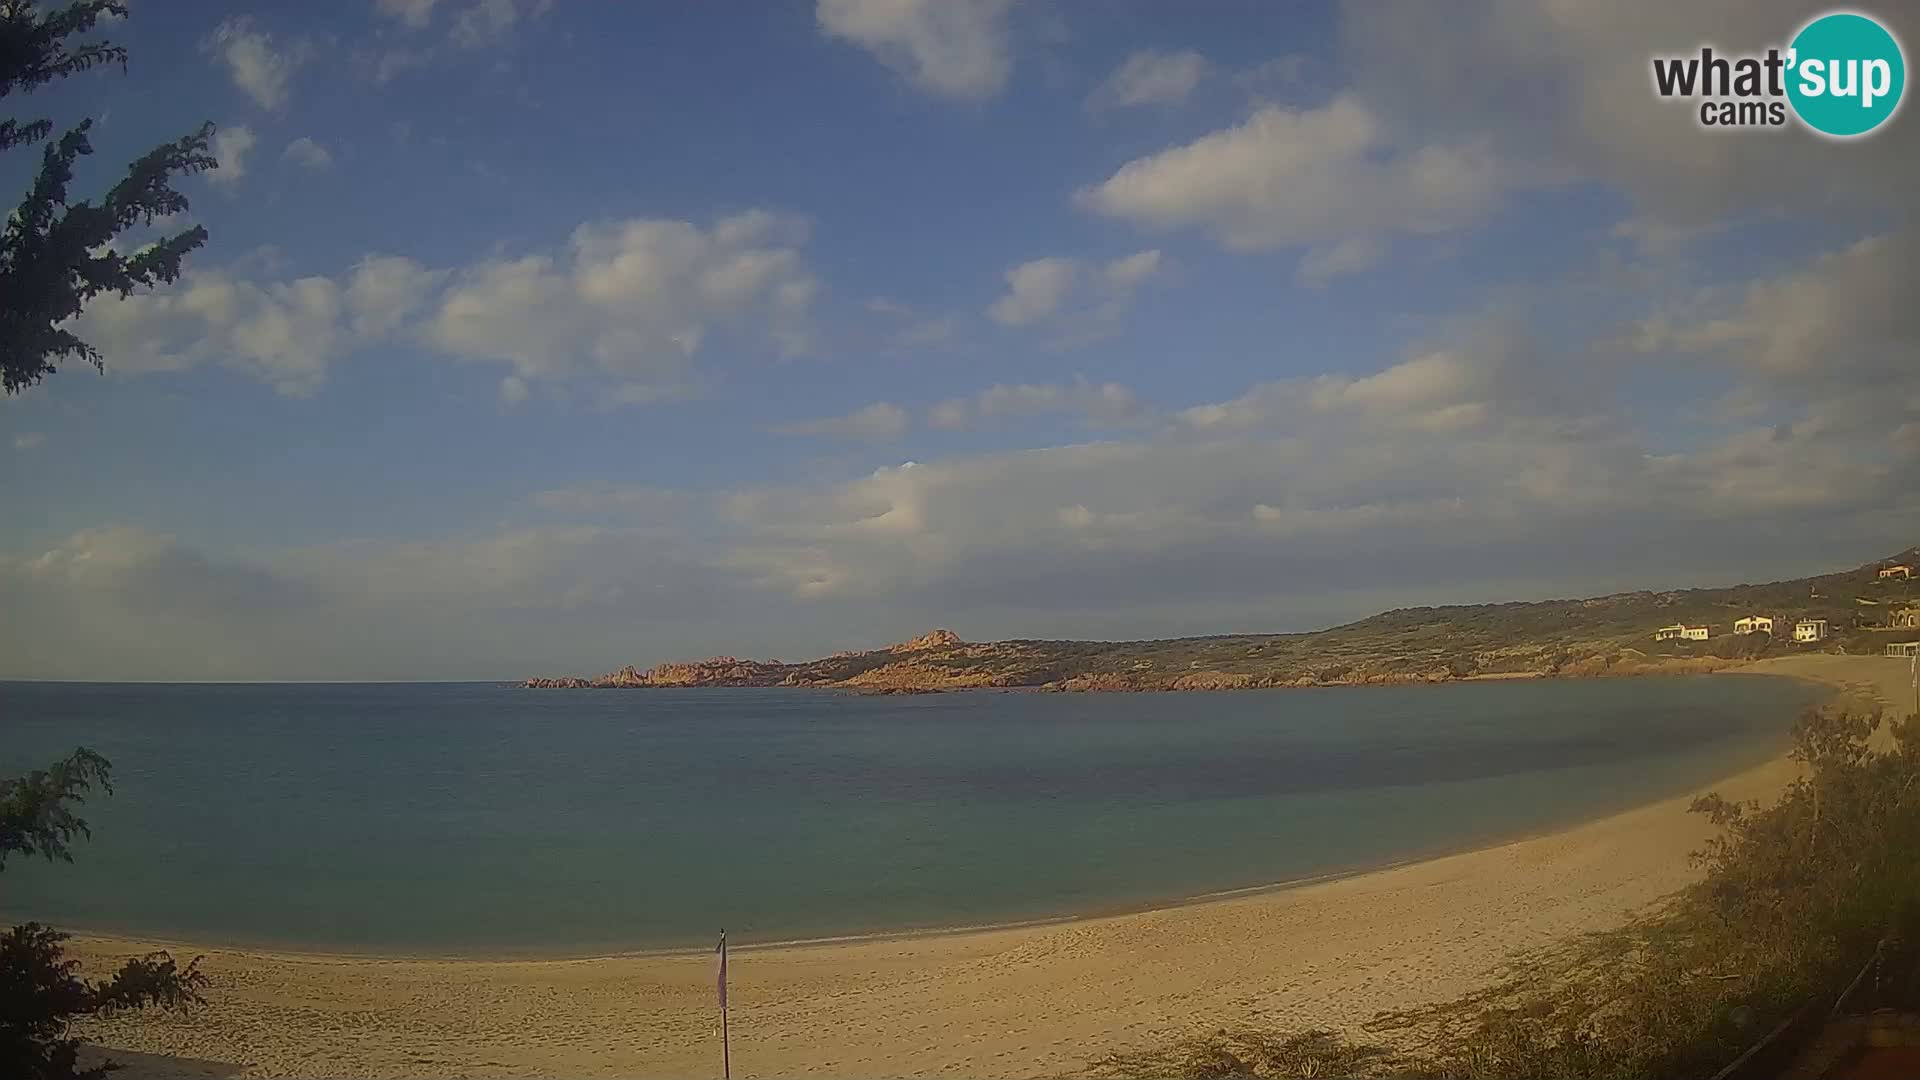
[{"x": 726, "y": 1048}]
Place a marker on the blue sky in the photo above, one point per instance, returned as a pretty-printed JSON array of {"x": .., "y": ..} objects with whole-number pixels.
[{"x": 552, "y": 336}]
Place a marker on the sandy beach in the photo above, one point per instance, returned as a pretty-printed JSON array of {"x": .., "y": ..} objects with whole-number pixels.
[{"x": 1018, "y": 1002}]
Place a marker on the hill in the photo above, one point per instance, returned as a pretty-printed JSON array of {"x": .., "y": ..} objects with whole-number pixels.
[{"x": 1594, "y": 636}]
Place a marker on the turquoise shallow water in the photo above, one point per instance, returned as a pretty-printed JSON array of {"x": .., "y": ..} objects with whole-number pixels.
[{"x": 451, "y": 818}]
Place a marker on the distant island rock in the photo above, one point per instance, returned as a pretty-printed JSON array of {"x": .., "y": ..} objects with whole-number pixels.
[{"x": 1595, "y": 636}]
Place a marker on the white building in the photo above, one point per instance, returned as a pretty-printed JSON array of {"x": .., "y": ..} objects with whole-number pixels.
[
  {"x": 1906, "y": 618},
  {"x": 1900, "y": 572},
  {"x": 1810, "y": 630},
  {"x": 1682, "y": 632},
  {"x": 1754, "y": 624}
]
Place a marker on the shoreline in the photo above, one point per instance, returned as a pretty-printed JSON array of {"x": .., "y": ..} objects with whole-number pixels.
[
  {"x": 1214, "y": 682},
  {"x": 186, "y": 945},
  {"x": 1023, "y": 999}
]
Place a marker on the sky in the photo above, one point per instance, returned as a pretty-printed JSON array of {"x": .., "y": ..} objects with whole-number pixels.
[{"x": 540, "y": 336}]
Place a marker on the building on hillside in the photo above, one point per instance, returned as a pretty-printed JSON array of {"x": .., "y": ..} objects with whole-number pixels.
[
  {"x": 1670, "y": 633},
  {"x": 1810, "y": 630},
  {"x": 1903, "y": 648},
  {"x": 1754, "y": 624},
  {"x": 1906, "y": 618},
  {"x": 1897, "y": 572}
]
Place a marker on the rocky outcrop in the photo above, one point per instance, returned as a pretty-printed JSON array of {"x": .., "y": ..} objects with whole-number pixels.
[
  {"x": 1214, "y": 680},
  {"x": 932, "y": 639},
  {"x": 1594, "y": 637},
  {"x": 716, "y": 671}
]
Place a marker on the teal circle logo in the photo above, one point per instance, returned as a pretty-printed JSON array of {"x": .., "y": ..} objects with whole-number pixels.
[{"x": 1846, "y": 74}]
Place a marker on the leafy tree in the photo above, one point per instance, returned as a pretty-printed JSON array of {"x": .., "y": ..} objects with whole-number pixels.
[
  {"x": 41, "y": 992},
  {"x": 55, "y": 258},
  {"x": 53, "y": 252}
]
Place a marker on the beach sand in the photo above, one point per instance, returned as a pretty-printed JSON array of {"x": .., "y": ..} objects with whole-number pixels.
[{"x": 1018, "y": 1002}]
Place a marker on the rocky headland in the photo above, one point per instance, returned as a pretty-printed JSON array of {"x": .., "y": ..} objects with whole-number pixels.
[{"x": 1595, "y": 636}]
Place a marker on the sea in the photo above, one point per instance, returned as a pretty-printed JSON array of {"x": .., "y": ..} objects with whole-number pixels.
[{"x": 447, "y": 819}]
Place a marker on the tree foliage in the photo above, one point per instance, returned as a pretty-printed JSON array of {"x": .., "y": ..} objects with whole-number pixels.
[
  {"x": 36, "y": 815},
  {"x": 41, "y": 990},
  {"x": 55, "y": 253}
]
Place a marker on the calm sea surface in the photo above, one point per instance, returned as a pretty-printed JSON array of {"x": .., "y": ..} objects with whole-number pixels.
[{"x": 448, "y": 818}]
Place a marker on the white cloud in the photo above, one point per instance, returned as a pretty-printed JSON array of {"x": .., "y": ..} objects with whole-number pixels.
[
  {"x": 912, "y": 327},
  {"x": 284, "y": 333},
  {"x": 880, "y": 420},
  {"x": 28, "y": 440},
  {"x": 231, "y": 145},
  {"x": 1826, "y": 364},
  {"x": 629, "y": 302},
  {"x": 627, "y": 501},
  {"x": 487, "y": 21},
  {"x": 1035, "y": 290},
  {"x": 381, "y": 66},
  {"x": 414, "y": 13},
  {"x": 1298, "y": 178},
  {"x": 1455, "y": 390},
  {"x": 949, "y": 48},
  {"x": 1107, "y": 403},
  {"x": 255, "y": 64},
  {"x": 1444, "y": 116},
  {"x": 1349, "y": 256},
  {"x": 1561, "y": 91},
  {"x": 157, "y": 607},
  {"x": 1150, "y": 77},
  {"x": 635, "y": 299},
  {"x": 306, "y": 152},
  {"x": 1063, "y": 290},
  {"x": 950, "y": 415},
  {"x": 1492, "y": 461},
  {"x": 928, "y": 331},
  {"x": 1473, "y": 461},
  {"x": 383, "y": 291},
  {"x": 513, "y": 391},
  {"x": 1129, "y": 271},
  {"x": 1848, "y": 316},
  {"x": 474, "y": 25}
]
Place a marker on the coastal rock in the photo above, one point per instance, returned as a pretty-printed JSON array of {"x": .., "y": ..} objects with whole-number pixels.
[
  {"x": 1213, "y": 680},
  {"x": 932, "y": 639},
  {"x": 714, "y": 671},
  {"x": 1597, "y": 636}
]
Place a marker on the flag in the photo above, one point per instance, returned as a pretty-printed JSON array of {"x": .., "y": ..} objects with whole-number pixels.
[{"x": 720, "y": 968}]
